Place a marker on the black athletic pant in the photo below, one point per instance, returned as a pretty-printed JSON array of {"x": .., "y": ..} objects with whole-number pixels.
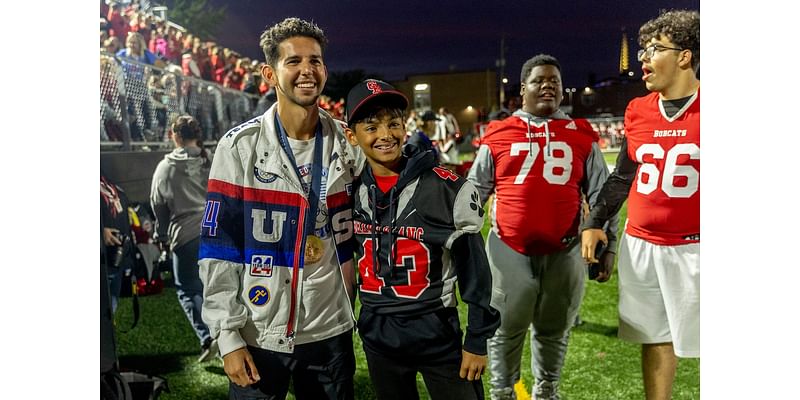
[
  {"x": 397, "y": 348},
  {"x": 397, "y": 379},
  {"x": 319, "y": 370}
]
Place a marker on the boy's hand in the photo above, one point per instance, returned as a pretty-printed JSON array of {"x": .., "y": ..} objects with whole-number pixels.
[
  {"x": 240, "y": 367},
  {"x": 472, "y": 366}
]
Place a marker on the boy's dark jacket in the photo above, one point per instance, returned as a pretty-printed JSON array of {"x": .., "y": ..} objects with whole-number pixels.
[{"x": 430, "y": 223}]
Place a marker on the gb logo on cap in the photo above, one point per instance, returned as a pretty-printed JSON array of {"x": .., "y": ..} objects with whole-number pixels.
[{"x": 374, "y": 87}]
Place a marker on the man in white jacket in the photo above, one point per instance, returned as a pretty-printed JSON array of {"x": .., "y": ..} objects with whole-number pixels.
[{"x": 276, "y": 255}]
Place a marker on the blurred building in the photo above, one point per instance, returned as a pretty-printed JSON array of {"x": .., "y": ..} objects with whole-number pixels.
[{"x": 469, "y": 95}]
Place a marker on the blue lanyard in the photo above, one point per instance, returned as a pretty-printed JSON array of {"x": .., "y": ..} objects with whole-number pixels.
[{"x": 316, "y": 170}]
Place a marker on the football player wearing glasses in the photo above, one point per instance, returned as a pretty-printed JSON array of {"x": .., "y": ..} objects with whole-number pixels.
[{"x": 658, "y": 172}]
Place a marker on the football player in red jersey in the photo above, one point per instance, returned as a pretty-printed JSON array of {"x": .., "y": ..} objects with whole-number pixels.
[
  {"x": 417, "y": 227},
  {"x": 658, "y": 171},
  {"x": 538, "y": 163}
]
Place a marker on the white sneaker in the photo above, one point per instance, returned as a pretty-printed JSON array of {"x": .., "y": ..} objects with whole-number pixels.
[
  {"x": 546, "y": 390},
  {"x": 210, "y": 351}
]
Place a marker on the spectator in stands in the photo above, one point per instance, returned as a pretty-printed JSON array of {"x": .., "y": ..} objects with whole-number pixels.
[
  {"x": 173, "y": 37},
  {"x": 118, "y": 21},
  {"x": 189, "y": 65},
  {"x": 159, "y": 101},
  {"x": 111, "y": 124},
  {"x": 250, "y": 82},
  {"x": 117, "y": 235},
  {"x": 157, "y": 44},
  {"x": 188, "y": 42},
  {"x": 139, "y": 24},
  {"x": 112, "y": 45},
  {"x": 200, "y": 55},
  {"x": 140, "y": 109},
  {"x": 170, "y": 98},
  {"x": 177, "y": 196},
  {"x": 217, "y": 61},
  {"x": 235, "y": 74},
  {"x": 103, "y": 37},
  {"x": 136, "y": 49}
]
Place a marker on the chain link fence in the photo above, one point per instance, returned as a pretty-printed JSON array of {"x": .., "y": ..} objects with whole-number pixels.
[{"x": 138, "y": 102}]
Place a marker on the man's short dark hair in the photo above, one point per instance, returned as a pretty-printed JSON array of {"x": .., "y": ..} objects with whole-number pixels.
[
  {"x": 681, "y": 27},
  {"x": 286, "y": 29},
  {"x": 535, "y": 61}
]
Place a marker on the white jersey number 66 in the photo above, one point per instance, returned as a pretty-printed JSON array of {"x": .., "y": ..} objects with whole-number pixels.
[{"x": 671, "y": 170}]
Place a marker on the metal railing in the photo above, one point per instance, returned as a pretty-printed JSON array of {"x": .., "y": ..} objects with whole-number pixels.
[{"x": 139, "y": 101}]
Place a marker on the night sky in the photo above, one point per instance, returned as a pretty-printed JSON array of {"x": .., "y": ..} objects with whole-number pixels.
[{"x": 398, "y": 38}]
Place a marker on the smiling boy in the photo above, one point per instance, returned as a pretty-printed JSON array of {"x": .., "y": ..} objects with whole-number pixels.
[{"x": 417, "y": 227}]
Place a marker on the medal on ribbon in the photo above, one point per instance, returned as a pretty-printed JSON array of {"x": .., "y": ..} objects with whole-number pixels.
[{"x": 314, "y": 249}]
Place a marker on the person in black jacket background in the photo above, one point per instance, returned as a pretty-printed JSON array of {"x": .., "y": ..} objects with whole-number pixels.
[{"x": 118, "y": 237}]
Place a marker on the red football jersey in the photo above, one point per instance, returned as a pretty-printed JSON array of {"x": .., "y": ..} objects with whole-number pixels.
[
  {"x": 664, "y": 201},
  {"x": 538, "y": 181}
]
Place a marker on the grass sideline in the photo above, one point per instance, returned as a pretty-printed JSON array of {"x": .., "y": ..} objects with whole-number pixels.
[{"x": 598, "y": 365}]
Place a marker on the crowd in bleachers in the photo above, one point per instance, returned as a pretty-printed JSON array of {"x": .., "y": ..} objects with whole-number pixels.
[
  {"x": 611, "y": 131},
  {"x": 171, "y": 45},
  {"x": 164, "y": 68}
]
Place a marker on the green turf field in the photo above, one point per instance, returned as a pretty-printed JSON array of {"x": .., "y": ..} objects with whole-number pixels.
[
  {"x": 611, "y": 157},
  {"x": 598, "y": 365}
]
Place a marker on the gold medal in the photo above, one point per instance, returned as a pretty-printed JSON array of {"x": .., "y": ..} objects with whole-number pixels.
[{"x": 314, "y": 249}]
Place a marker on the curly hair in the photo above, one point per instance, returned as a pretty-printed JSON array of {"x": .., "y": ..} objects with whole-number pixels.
[
  {"x": 535, "y": 61},
  {"x": 681, "y": 27},
  {"x": 286, "y": 29}
]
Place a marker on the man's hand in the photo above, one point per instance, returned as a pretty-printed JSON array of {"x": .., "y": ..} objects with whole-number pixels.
[
  {"x": 110, "y": 237},
  {"x": 606, "y": 266},
  {"x": 472, "y": 366},
  {"x": 240, "y": 367},
  {"x": 589, "y": 239}
]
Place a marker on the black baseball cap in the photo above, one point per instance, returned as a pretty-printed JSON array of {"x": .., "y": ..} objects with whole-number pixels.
[{"x": 370, "y": 90}]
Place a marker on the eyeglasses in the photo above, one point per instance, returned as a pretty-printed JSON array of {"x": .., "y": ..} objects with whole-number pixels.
[{"x": 649, "y": 51}]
